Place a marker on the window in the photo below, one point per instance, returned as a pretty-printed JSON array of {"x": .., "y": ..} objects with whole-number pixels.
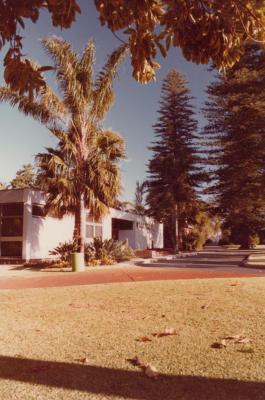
[
  {"x": 98, "y": 231},
  {"x": 93, "y": 227},
  {"x": 11, "y": 249},
  {"x": 90, "y": 231},
  {"x": 11, "y": 219},
  {"x": 38, "y": 210},
  {"x": 12, "y": 226},
  {"x": 12, "y": 209}
]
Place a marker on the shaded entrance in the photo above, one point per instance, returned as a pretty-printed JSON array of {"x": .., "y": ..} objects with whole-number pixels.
[{"x": 121, "y": 229}]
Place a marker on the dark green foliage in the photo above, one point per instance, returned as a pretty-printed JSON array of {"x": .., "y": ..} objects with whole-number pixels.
[
  {"x": 99, "y": 249},
  {"x": 25, "y": 178},
  {"x": 119, "y": 251},
  {"x": 139, "y": 202},
  {"x": 235, "y": 142},
  {"x": 64, "y": 250},
  {"x": 174, "y": 172}
]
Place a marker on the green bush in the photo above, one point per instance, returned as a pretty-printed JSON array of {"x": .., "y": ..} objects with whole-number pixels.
[
  {"x": 63, "y": 251},
  {"x": 114, "y": 249},
  {"x": 224, "y": 241},
  {"x": 253, "y": 241},
  {"x": 108, "y": 251}
]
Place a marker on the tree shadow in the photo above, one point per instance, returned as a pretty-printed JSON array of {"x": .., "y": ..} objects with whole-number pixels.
[{"x": 126, "y": 384}]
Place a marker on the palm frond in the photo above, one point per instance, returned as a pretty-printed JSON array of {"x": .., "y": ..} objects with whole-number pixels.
[
  {"x": 34, "y": 108},
  {"x": 66, "y": 66},
  {"x": 51, "y": 101},
  {"x": 85, "y": 70},
  {"x": 111, "y": 145},
  {"x": 103, "y": 92}
]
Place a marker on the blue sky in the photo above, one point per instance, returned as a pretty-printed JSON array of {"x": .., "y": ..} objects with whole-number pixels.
[{"x": 132, "y": 115}]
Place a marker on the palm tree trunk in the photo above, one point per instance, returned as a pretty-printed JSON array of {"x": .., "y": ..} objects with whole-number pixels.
[{"x": 79, "y": 229}]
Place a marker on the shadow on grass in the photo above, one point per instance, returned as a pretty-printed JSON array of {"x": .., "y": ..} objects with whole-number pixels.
[{"x": 126, "y": 384}]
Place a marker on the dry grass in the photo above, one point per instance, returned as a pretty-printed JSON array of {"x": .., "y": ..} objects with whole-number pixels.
[{"x": 44, "y": 333}]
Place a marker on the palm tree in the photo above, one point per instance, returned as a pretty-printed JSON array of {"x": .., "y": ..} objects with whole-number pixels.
[
  {"x": 97, "y": 180},
  {"x": 81, "y": 172}
]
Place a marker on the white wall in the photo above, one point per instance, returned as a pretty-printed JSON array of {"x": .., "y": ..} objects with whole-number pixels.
[
  {"x": 40, "y": 235},
  {"x": 47, "y": 233}
]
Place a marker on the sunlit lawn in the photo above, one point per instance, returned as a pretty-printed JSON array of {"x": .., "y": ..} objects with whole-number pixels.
[{"x": 73, "y": 343}]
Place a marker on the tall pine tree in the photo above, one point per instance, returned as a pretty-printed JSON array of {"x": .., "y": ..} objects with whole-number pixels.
[
  {"x": 174, "y": 172},
  {"x": 235, "y": 140}
]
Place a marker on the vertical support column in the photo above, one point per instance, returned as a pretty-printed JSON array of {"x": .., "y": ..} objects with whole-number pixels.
[{"x": 27, "y": 217}]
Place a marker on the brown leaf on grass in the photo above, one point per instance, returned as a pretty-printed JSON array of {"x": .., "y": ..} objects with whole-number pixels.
[
  {"x": 144, "y": 339},
  {"x": 243, "y": 340},
  {"x": 165, "y": 332},
  {"x": 75, "y": 305},
  {"x": 151, "y": 371},
  {"x": 233, "y": 337},
  {"x": 238, "y": 339},
  {"x": 205, "y": 306},
  {"x": 219, "y": 345},
  {"x": 148, "y": 369},
  {"x": 84, "y": 360},
  {"x": 235, "y": 284},
  {"x": 136, "y": 362}
]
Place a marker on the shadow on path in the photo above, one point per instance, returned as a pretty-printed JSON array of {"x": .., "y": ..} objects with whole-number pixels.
[{"x": 126, "y": 384}]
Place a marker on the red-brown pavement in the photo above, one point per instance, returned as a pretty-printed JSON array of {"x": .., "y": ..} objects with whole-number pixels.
[{"x": 203, "y": 266}]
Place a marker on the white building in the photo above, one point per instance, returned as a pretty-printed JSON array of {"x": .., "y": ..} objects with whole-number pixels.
[{"x": 27, "y": 234}]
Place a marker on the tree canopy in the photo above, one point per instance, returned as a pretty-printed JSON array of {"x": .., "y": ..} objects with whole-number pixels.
[
  {"x": 174, "y": 172},
  {"x": 235, "y": 142},
  {"x": 25, "y": 178},
  {"x": 82, "y": 171},
  {"x": 205, "y": 30}
]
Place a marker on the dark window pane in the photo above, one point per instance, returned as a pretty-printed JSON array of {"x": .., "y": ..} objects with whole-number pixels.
[
  {"x": 12, "y": 227},
  {"x": 12, "y": 209},
  {"x": 89, "y": 231},
  {"x": 98, "y": 231},
  {"x": 38, "y": 210},
  {"x": 9, "y": 249}
]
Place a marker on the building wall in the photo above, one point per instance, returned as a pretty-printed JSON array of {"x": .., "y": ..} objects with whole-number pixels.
[{"x": 42, "y": 234}]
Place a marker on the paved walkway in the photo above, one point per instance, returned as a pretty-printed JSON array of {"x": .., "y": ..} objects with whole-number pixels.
[{"x": 212, "y": 263}]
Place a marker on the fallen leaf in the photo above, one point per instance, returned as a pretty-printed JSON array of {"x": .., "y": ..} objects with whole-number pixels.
[
  {"x": 151, "y": 371},
  {"x": 235, "y": 284},
  {"x": 243, "y": 340},
  {"x": 84, "y": 360},
  {"x": 136, "y": 362},
  {"x": 144, "y": 339},
  {"x": 233, "y": 337},
  {"x": 166, "y": 332},
  {"x": 247, "y": 350},
  {"x": 219, "y": 345}
]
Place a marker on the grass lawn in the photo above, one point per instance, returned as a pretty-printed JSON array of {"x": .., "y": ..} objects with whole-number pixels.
[{"x": 73, "y": 343}]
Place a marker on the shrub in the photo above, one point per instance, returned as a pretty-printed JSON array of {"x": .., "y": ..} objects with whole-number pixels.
[
  {"x": 106, "y": 260},
  {"x": 223, "y": 241},
  {"x": 114, "y": 249},
  {"x": 106, "y": 251},
  {"x": 63, "y": 251},
  {"x": 253, "y": 241}
]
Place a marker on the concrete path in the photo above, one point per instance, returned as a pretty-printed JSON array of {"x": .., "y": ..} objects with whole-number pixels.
[{"x": 211, "y": 263}]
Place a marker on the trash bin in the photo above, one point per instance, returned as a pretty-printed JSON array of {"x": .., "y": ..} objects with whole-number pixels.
[{"x": 78, "y": 262}]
